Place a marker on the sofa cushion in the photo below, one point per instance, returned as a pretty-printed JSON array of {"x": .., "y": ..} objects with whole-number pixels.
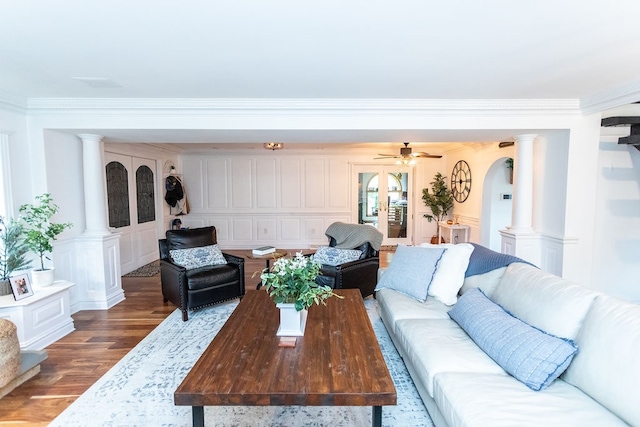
[
  {"x": 481, "y": 400},
  {"x": 411, "y": 270},
  {"x": 394, "y": 306},
  {"x": 449, "y": 276},
  {"x": 198, "y": 257},
  {"x": 435, "y": 346},
  {"x": 333, "y": 256},
  {"x": 485, "y": 281},
  {"x": 543, "y": 300},
  {"x": 606, "y": 368},
  {"x": 530, "y": 355}
]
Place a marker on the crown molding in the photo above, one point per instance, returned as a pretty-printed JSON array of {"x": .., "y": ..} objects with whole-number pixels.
[
  {"x": 13, "y": 102},
  {"x": 616, "y": 97},
  {"x": 253, "y": 105}
]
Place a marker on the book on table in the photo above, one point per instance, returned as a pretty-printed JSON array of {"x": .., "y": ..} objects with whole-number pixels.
[{"x": 264, "y": 250}]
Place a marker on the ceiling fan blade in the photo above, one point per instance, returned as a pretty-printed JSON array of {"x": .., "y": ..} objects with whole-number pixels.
[
  {"x": 388, "y": 155},
  {"x": 385, "y": 157},
  {"x": 427, "y": 155}
]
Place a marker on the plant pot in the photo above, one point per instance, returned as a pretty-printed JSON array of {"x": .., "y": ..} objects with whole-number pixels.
[
  {"x": 434, "y": 240},
  {"x": 292, "y": 322},
  {"x": 43, "y": 278},
  {"x": 5, "y": 288}
]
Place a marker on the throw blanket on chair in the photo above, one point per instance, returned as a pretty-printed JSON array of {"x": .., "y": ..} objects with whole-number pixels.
[
  {"x": 349, "y": 236},
  {"x": 484, "y": 259}
]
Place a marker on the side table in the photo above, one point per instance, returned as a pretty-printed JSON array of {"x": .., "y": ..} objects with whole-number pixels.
[{"x": 454, "y": 231}]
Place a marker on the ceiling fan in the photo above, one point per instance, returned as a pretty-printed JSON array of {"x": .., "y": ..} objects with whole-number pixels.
[{"x": 406, "y": 156}]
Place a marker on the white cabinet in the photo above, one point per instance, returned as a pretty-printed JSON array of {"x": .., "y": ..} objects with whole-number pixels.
[
  {"x": 41, "y": 319},
  {"x": 453, "y": 233}
]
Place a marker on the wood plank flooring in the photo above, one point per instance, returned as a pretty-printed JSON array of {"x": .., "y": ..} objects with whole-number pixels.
[{"x": 101, "y": 338}]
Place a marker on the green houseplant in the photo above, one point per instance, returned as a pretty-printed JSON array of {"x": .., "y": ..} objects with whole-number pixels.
[
  {"x": 439, "y": 200},
  {"x": 40, "y": 232},
  {"x": 13, "y": 252},
  {"x": 291, "y": 284}
]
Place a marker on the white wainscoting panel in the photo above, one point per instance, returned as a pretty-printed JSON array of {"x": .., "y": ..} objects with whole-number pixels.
[
  {"x": 242, "y": 229},
  {"x": 266, "y": 229},
  {"x": 338, "y": 184},
  {"x": 194, "y": 183},
  {"x": 314, "y": 229},
  {"x": 266, "y": 183},
  {"x": 241, "y": 194},
  {"x": 314, "y": 183},
  {"x": 217, "y": 179},
  {"x": 290, "y": 229},
  {"x": 290, "y": 187}
]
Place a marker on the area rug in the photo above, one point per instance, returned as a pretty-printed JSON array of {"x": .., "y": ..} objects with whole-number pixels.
[
  {"x": 138, "y": 390},
  {"x": 147, "y": 270}
]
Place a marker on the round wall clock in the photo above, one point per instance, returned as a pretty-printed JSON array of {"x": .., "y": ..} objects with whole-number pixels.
[{"x": 461, "y": 181}]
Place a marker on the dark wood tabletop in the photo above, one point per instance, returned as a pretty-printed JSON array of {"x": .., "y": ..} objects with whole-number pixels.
[{"x": 337, "y": 362}]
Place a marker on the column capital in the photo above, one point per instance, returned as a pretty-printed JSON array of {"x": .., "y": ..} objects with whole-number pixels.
[
  {"x": 526, "y": 137},
  {"x": 90, "y": 137}
]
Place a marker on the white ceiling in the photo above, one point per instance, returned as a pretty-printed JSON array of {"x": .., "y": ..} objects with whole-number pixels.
[{"x": 375, "y": 49}]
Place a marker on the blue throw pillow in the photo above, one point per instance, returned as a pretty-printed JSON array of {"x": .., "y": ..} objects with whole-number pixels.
[
  {"x": 333, "y": 256},
  {"x": 411, "y": 270},
  {"x": 201, "y": 256},
  {"x": 532, "y": 356}
]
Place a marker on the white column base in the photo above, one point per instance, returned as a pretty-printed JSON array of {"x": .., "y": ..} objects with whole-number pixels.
[
  {"x": 523, "y": 243},
  {"x": 99, "y": 285}
]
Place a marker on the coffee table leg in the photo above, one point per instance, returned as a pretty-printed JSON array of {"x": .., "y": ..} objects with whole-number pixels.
[
  {"x": 198, "y": 416},
  {"x": 376, "y": 418}
]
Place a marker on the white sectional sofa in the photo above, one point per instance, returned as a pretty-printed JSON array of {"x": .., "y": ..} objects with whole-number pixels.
[{"x": 462, "y": 386}]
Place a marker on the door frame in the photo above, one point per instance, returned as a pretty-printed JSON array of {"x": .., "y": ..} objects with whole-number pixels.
[{"x": 384, "y": 170}]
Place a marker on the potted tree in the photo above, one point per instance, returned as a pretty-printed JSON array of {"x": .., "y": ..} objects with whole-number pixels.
[
  {"x": 40, "y": 233},
  {"x": 13, "y": 252},
  {"x": 439, "y": 200}
]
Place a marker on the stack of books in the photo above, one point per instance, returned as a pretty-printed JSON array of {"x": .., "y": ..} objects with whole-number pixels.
[{"x": 264, "y": 250}]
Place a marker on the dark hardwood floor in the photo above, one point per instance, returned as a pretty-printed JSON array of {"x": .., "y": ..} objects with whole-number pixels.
[{"x": 101, "y": 338}]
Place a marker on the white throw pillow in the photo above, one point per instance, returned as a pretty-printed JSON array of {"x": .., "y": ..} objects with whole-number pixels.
[
  {"x": 449, "y": 276},
  {"x": 411, "y": 270}
]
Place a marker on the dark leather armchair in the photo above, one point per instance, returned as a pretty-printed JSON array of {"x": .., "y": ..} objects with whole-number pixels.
[
  {"x": 360, "y": 274},
  {"x": 198, "y": 287}
]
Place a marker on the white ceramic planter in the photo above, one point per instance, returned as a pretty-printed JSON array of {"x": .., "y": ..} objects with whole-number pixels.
[
  {"x": 43, "y": 278},
  {"x": 292, "y": 322}
]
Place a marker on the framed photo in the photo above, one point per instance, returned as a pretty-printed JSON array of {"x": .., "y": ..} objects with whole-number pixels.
[{"x": 21, "y": 286}]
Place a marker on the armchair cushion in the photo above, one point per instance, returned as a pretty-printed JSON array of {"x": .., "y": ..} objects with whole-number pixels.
[
  {"x": 198, "y": 257},
  {"x": 211, "y": 276},
  {"x": 328, "y": 255}
]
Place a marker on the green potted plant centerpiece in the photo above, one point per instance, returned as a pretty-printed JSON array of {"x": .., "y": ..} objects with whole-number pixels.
[
  {"x": 40, "y": 232},
  {"x": 439, "y": 200},
  {"x": 291, "y": 284},
  {"x": 13, "y": 252}
]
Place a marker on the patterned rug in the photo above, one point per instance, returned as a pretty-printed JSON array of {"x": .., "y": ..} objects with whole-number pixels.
[
  {"x": 148, "y": 270},
  {"x": 138, "y": 390}
]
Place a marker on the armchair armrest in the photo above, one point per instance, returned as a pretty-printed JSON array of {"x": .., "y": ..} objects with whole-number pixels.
[
  {"x": 173, "y": 279},
  {"x": 360, "y": 274}
]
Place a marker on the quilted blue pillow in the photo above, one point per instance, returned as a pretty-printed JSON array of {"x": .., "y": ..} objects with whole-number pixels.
[
  {"x": 202, "y": 256},
  {"x": 532, "y": 356},
  {"x": 333, "y": 256},
  {"x": 411, "y": 270}
]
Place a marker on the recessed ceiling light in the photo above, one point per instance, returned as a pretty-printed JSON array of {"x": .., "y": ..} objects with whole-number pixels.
[{"x": 273, "y": 145}]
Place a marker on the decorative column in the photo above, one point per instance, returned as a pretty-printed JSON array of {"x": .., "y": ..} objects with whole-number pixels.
[
  {"x": 98, "y": 253},
  {"x": 94, "y": 192},
  {"x": 520, "y": 239}
]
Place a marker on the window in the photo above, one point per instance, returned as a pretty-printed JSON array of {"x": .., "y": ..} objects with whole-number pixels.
[{"x": 118, "y": 195}]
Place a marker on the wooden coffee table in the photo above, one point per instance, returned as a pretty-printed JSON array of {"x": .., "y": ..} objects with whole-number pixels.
[{"x": 337, "y": 362}]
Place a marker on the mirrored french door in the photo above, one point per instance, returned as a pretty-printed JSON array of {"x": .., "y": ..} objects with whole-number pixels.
[{"x": 384, "y": 201}]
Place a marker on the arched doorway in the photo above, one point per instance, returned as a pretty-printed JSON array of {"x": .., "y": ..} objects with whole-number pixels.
[{"x": 497, "y": 197}]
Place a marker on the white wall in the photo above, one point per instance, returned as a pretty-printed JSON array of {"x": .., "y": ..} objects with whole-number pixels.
[
  {"x": 616, "y": 269},
  {"x": 14, "y": 125}
]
